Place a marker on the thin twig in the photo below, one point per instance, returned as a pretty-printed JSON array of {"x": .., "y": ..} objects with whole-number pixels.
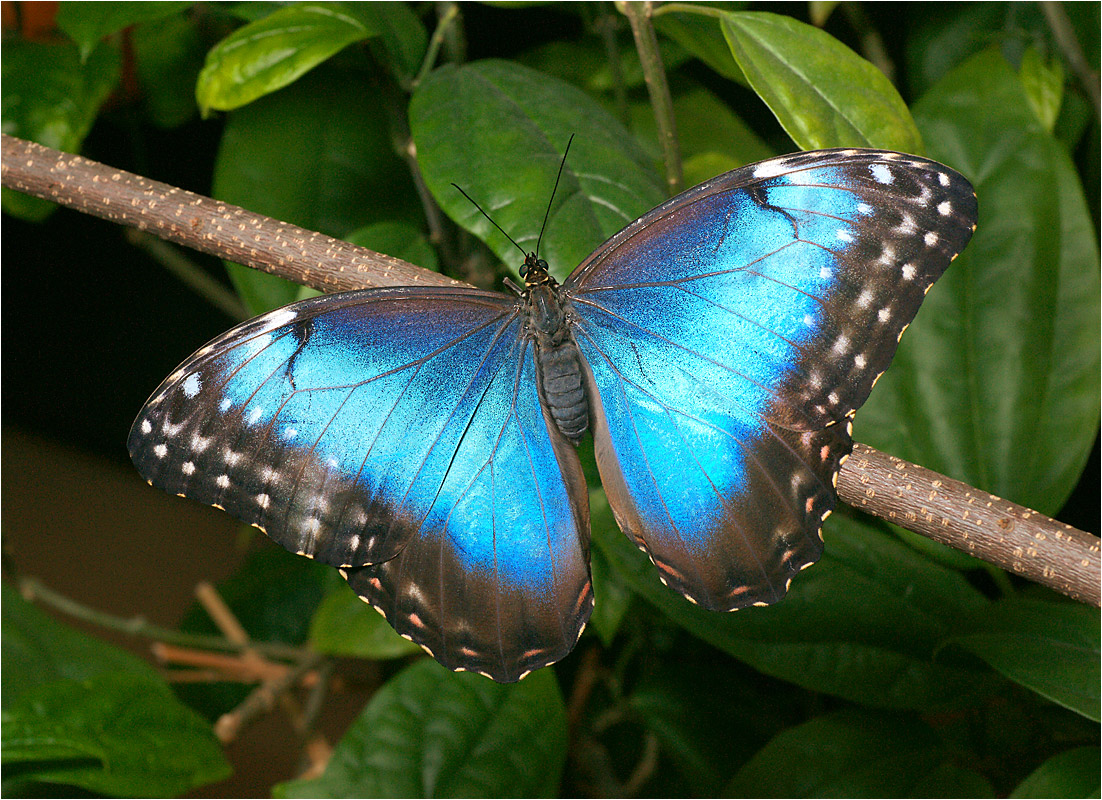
[
  {"x": 646, "y": 43},
  {"x": 189, "y": 273},
  {"x": 1064, "y": 34},
  {"x": 34, "y": 590},
  {"x": 444, "y": 21},
  {"x": 261, "y": 700},
  {"x": 1005, "y": 534}
]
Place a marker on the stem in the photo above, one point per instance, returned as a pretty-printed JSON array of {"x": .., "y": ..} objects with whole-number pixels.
[
  {"x": 1065, "y": 37},
  {"x": 445, "y": 21},
  {"x": 189, "y": 273},
  {"x": 33, "y": 589},
  {"x": 654, "y": 74}
]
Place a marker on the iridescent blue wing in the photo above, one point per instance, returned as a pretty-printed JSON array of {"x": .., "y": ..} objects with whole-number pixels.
[
  {"x": 730, "y": 335},
  {"x": 399, "y": 428}
]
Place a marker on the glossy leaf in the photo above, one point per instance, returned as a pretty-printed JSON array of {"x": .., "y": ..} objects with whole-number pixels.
[
  {"x": 822, "y": 93},
  {"x": 50, "y": 97},
  {"x": 499, "y": 131},
  {"x": 116, "y": 734},
  {"x": 1051, "y": 648},
  {"x": 38, "y": 650},
  {"x": 433, "y": 733},
  {"x": 344, "y": 625},
  {"x": 316, "y": 154},
  {"x": 862, "y": 624},
  {"x": 701, "y": 35},
  {"x": 996, "y": 382},
  {"x": 88, "y": 23},
  {"x": 856, "y": 754},
  {"x": 1073, "y": 773},
  {"x": 272, "y": 52}
]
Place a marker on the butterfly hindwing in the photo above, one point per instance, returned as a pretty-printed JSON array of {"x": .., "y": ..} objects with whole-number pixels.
[
  {"x": 732, "y": 332},
  {"x": 389, "y": 428}
]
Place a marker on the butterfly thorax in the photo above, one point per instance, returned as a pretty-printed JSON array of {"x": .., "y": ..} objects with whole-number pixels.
[{"x": 558, "y": 362}]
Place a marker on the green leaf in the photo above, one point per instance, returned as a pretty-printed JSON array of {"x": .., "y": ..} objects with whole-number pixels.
[
  {"x": 36, "y": 649},
  {"x": 399, "y": 239},
  {"x": 996, "y": 382},
  {"x": 1051, "y": 648},
  {"x": 1073, "y": 773},
  {"x": 499, "y": 130},
  {"x": 318, "y": 155},
  {"x": 1044, "y": 86},
  {"x": 432, "y": 733},
  {"x": 856, "y": 754},
  {"x": 50, "y": 97},
  {"x": 822, "y": 93},
  {"x": 168, "y": 54},
  {"x": 401, "y": 33},
  {"x": 88, "y": 23},
  {"x": 128, "y": 734},
  {"x": 701, "y": 35},
  {"x": 344, "y": 625},
  {"x": 863, "y": 624},
  {"x": 272, "y": 52}
]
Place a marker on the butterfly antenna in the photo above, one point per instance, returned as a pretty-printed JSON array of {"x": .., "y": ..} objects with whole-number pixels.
[
  {"x": 547, "y": 214},
  {"x": 487, "y": 216}
]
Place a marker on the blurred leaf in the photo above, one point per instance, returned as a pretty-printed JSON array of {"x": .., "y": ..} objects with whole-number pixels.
[
  {"x": 1073, "y": 773},
  {"x": 499, "y": 130},
  {"x": 1044, "y": 87},
  {"x": 1052, "y": 648},
  {"x": 401, "y": 34},
  {"x": 996, "y": 382},
  {"x": 344, "y": 625},
  {"x": 399, "y": 239},
  {"x": 819, "y": 11},
  {"x": 272, "y": 52},
  {"x": 940, "y": 43},
  {"x": 862, "y": 624},
  {"x": 168, "y": 56},
  {"x": 585, "y": 63},
  {"x": 856, "y": 754},
  {"x": 36, "y": 650},
  {"x": 316, "y": 154},
  {"x": 50, "y": 97},
  {"x": 88, "y": 23},
  {"x": 432, "y": 733},
  {"x": 116, "y": 733},
  {"x": 612, "y": 598},
  {"x": 822, "y": 93}
]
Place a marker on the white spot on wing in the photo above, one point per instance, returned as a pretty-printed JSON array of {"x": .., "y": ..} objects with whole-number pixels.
[
  {"x": 254, "y": 415},
  {"x": 944, "y": 208},
  {"x": 223, "y": 481},
  {"x": 192, "y": 385},
  {"x": 845, "y": 236},
  {"x": 881, "y": 173},
  {"x": 281, "y": 316},
  {"x": 930, "y": 238},
  {"x": 771, "y": 169},
  {"x": 188, "y": 467},
  {"x": 263, "y": 500},
  {"x": 224, "y": 406},
  {"x": 146, "y": 427},
  {"x": 909, "y": 271},
  {"x": 160, "y": 451}
]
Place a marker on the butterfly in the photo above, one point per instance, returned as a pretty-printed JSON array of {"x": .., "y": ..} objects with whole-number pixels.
[{"x": 422, "y": 439}]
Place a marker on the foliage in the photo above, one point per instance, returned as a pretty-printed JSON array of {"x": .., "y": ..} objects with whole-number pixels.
[{"x": 894, "y": 667}]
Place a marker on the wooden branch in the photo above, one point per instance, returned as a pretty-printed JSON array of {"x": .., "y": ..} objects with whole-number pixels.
[
  {"x": 220, "y": 229},
  {"x": 1010, "y": 536}
]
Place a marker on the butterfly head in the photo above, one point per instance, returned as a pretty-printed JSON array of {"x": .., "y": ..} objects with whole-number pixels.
[{"x": 534, "y": 272}]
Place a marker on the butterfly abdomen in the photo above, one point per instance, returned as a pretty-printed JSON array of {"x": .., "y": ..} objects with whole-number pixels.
[{"x": 558, "y": 365}]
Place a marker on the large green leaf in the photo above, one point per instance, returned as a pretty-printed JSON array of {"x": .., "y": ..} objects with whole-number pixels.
[
  {"x": 36, "y": 649},
  {"x": 168, "y": 54},
  {"x": 272, "y": 52},
  {"x": 996, "y": 382},
  {"x": 116, "y": 733},
  {"x": 50, "y": 97},
  {"x": 822, "y": 93},
  {"x": 857, "y": 754},
  {"x": 87, "y": 23},
  {"x": 1052, "y": 648},
  {"x": 316, "y": 154},
  {"x": 864, "y": 623},
  {"x": 432, "y": 733},
  {"x": 499, "y": 130}
]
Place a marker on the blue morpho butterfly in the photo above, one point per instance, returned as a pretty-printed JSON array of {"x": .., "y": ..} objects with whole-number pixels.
[{"x": 420, "y": 438}]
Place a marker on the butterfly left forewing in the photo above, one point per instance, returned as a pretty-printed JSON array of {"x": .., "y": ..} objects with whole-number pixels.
[{"x": 732, "y": 332}]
